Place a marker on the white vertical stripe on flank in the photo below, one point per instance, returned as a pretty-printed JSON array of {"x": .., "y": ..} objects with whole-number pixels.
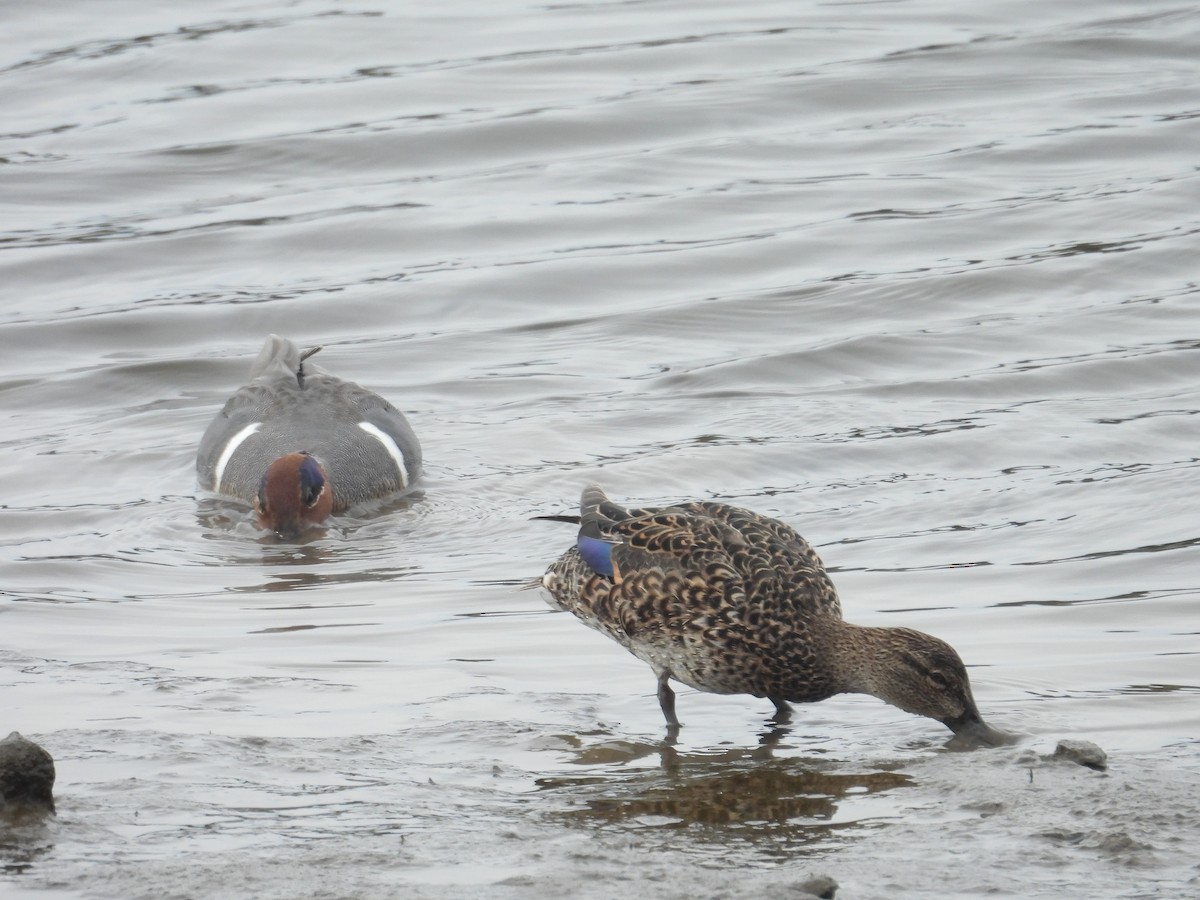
[
  {"x": 227, "y": 453},
  {"x": 392, "y": 448}
]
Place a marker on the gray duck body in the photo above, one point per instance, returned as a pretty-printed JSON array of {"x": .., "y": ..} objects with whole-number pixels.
[
  {"x": 298, "y": 406},
  {"x": 729, "y": 601}
]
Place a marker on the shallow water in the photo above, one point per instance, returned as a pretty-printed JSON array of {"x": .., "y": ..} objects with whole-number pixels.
[{"x": 917, "y": 277}]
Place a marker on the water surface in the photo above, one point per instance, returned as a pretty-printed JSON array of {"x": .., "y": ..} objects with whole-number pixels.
[{"x": 917, "y": 277}]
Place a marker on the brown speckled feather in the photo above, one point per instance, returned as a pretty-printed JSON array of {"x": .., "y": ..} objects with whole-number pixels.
[{"x": 714, "y": 596}]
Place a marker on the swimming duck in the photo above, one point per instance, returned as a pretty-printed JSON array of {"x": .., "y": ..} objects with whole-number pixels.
[
  {"x": 300, "y": 444},
  {"x": 732, "y": 602}
]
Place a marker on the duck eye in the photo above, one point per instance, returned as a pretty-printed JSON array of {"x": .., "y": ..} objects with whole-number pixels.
[
  {"x": 309, "y": 493},
  {"x": 939, "y": 679}
]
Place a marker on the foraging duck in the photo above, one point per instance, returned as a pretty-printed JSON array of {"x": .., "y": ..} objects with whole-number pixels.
[
  {"x": 300, "y": 444},
  {"x": 732, "y": 602}
]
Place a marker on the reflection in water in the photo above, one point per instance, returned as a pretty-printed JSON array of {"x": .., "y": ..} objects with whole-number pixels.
[
  {"x": 25, "y": 837},
  {"x": 742, "y": 787},
  {"x": 706, "y": 792}
]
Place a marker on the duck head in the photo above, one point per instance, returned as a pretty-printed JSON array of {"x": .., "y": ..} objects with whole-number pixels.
[
  {"x": 293, "y": 495},
  {"x": 925, "y": 676}
]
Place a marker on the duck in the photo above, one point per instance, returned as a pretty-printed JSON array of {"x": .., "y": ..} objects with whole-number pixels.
[
  {"x": 300, "y": 444},
  {"x": 728, "y": 601}
]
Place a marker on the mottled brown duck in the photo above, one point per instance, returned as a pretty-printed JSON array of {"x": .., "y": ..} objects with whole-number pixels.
[{"x": 732, "y": 602}]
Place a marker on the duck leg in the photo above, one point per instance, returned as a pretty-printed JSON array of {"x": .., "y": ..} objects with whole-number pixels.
[
  {"x": 783, "y": 711},
  {"x": 666, "y": 699}
]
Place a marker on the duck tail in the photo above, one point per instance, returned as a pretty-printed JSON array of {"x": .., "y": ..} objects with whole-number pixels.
[
  {"x": 595, "y": 507},
  {"x": 277, "y": 353}
]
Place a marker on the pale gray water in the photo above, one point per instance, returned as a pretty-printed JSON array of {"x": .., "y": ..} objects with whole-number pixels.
[{"x": 918, "y": 277}]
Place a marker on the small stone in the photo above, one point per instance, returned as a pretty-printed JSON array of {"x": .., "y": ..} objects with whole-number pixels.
[
  {"x": 26, "y": 776},
  {"x": 818, "y": 886},
  {"x": 1083, "y": 752}
]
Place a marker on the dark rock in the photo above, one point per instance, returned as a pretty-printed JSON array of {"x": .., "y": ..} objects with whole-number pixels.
[
  {"x": 818, "y": 886},
  {"x": 1083, "y": 752},
  {"x": 26, "y": 776}
]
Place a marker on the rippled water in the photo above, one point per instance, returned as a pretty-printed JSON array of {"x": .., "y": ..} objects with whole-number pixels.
[{"x": 918, "y": 277}]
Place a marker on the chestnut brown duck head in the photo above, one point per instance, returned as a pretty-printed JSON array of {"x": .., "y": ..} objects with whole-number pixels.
[
  {"x": 731, "y": 602},
  {"x": 293, "y": 495}
]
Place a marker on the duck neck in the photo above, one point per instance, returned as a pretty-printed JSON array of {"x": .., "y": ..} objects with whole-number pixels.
[{"x": 860, "y": 659}]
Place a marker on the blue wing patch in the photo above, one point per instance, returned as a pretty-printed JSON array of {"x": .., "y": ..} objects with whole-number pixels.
[{"x": 597, "y": 553}]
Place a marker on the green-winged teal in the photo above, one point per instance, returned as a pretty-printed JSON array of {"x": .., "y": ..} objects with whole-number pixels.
[
  {"x": 732, "y": 602},
  {"x": 301, "y": 444}
]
